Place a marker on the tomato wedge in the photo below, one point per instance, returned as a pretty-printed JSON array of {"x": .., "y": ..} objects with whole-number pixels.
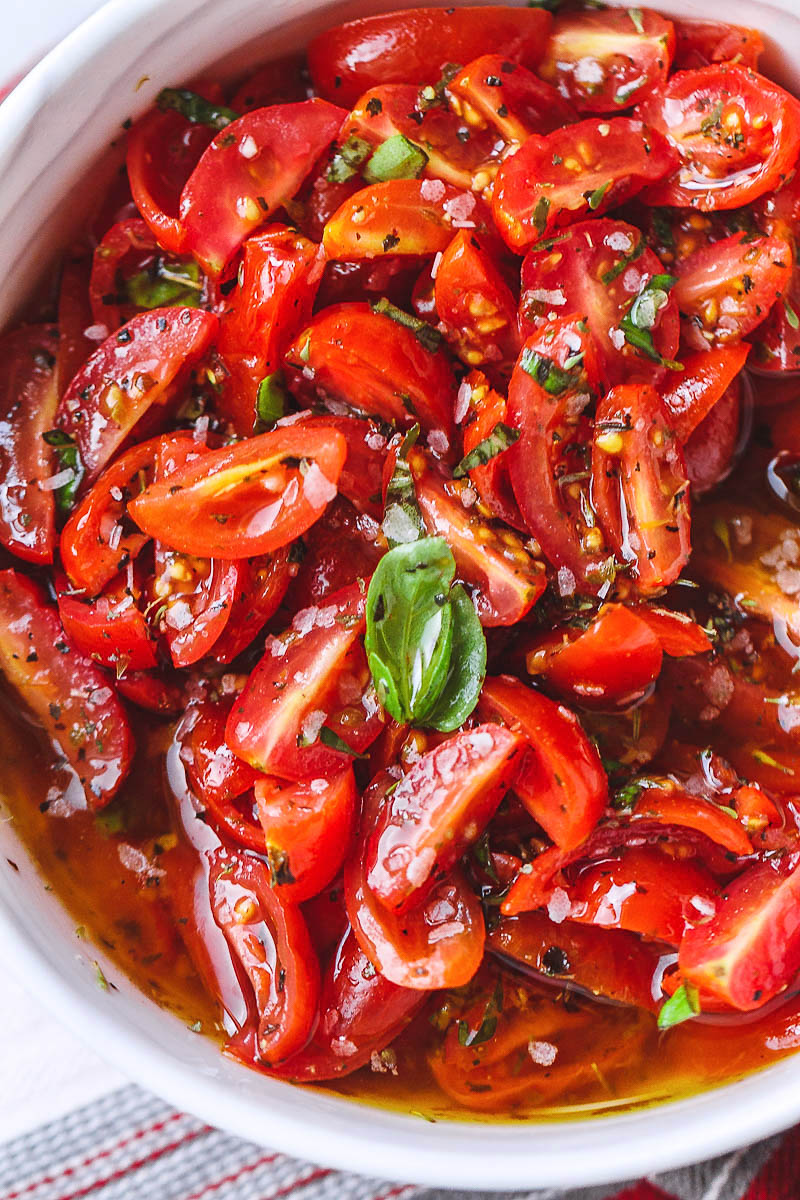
[
  {"x": 640, "y": 486},
  {"x": 474, "y": 302},
  {"x": 260, "y": 588},
  {"x": 492, "y": 91},
  {"x": 706, "y": 375},
  {"x": 215, "y": 773},
  {"x": 678, "y": 635},
  {"x": 699, "y": 43},
  {"x": 28, "y": 400},
  {"x": 486, "y": 409},
  {"x": 251, "y": 167},
  {"x": 74, "y": 317},
  {"x": 65, "y": 690},
  {"x": 413, "y": 46},
  {"x": 561, "y": 780},
  {"x": 110, "y": 628},
  {"x": 672, "y": 806},
  {"x": 247, "y": 499},
  {"x": 710, "y": 451}
]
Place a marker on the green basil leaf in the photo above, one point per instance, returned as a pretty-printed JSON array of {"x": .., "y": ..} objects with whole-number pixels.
[
  {"x": 164, "y": 283},
  {"x": 69, "y": 459},
  {"x": 467, "y": 670},
  {"x": 402, "y": 519},
  {"x": 681, "y": 1006},
  {"x": 548, "y": 374},
  {"x": 501, "y": 437},
  {"x": 271, "y": 398},
  {"x": 195, "y": 108},
  {"x": 332, "y": 740},
  {"x": 396, "y": 158},
  {"x": 348, "y": 159},
  {"x": 426, "y": 335},
  {"x": 641, "y": 317}
]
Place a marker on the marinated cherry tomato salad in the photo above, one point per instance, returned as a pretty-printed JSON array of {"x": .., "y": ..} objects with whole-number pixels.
[{"x": 400, "y": 508}]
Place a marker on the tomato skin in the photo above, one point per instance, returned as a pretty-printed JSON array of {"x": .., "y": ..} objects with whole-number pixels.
[
  {"x": 28, "y": 400},
  {"x": 74, "y": 316},
  {"x": 277, "y": 82},
  {"x": 138, "y": 366},
  {"x": 522, "y": 104},
  {"x": 371, "y": 363},
  {"x": 475, "y": 303},
  {"x": 270, "y": 940},
  {"x": 361, "y": 1013},
  {"x": 629, "y": 62},
  {"x": 163, "y": 150},
  {"x": 361, "y": 479},
  {"x": 413, "y": 46},
  {"x": 132, "y": 237},
  {"x": 673, "y": 806},
  {"x": 261, "y": 586},
  {"x": 710, "y": 450},
  {"x": 640, "y": 486},
  {"x": 249, "y": 169},
  {"x": 677, "y": 634},
  {"x": 198, "y": 511},
  {"x": 215, "y": 773},
  {"x": 561, "y": 781},
  {"x": 324, "y": 568},
  {"x": 613, "y": 662},
  {"x": 110, "y": 628},
  {"x": 690, "y": 395},
  {"x": 67, "y": 692},
  {"x": 699, "y": 43},
  {"x": 152, "y": 691},
  {"x": 486, "y": 409},
  {"x": 717, "y": 172},
  {"x": 592, "y": 166},
  {"x": 436, "y": 811},
  {"x": 750, "y": 949}
]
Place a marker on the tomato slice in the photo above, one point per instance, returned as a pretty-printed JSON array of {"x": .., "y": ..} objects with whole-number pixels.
[
  {"x": 605, "y": 61},
  {"x": 640, "y": 486},
  {"x": 706, "y": 375},
  {"x": 749, "y": 951},
  {"x": 216, "y": 775},
  {"x": 672, "y": 806},
  {"x": 402, "y": 217},
  {"x": 678, "y": 635},
  {"x": 436, "y": 811},
  {"x": 68, "y": 693},
  {"x": 276, "y": 82},
  {"x": 140, "y": 365},
  {"x": 250, "y": 498},
  {"x": 492, "y": 91},
  {"x": 163, "y": 150},
  {"x": 361, "y": 1013},
  {"x": 110, "y": 628},
  {"x": 474, "y": 302},
  {"x": 486, "y": 409},
  {"x": 561, "y": 780},
  {"x": 128, "y": 261},
  {"x": 28, "y": 400},
  {"x": 270, "y": 940},
  {"x": 324, "y": 568},
  {"x": 727, "y": 289},
  {"x": 699, "y": 43},
  {"x": 612, "y": 662},
  {"x": 736, "y": 132},
  {"x": 261, "y": 586},
  {"x": 377, "y": 367},
  {"x": 154, "y": 691},
  {"x": 74, "y": 317},
  {"x": 593, "y": 166},
  {"x": 361, "y": 479},
  {"x": 507, "y": 579},
  {"x": 251, "y": 167},
  {"x": 414, "y": 45},
  {"x": 710, "y": 450},
  {"x": 597, "y": 269},
  {"x": 777, "y": 346},
  {"x": 308, "y": 830}
]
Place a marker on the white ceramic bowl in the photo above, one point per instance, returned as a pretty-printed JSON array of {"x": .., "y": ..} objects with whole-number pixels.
[{"x": 51, "y": 129}]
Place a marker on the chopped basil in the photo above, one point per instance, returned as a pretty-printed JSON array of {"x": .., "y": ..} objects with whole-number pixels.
[
  {"x": 635, "y": 15},
  {"x": 488, "y": 1026},
  {"x": 402, "y": 520},
  {"x": 425, "y": 334},
  {"x": 549, "y": 375},
  {"x": 69, "y": 459},
  {"x": 347, "y": 160},
  {"x": 681, "y": 1006},
  {"x": 271, "y": 398},
  {"x": 540, "y": 214},
  {"x": 396, "y": 158},
  {"x": 196, "y": 109},
  {"x": 596, "y": 197},
  {"x": 501, "y": 437},
  {"x": 622, "y": 263},
  {"x": 791, "y": 315},
  {"x": 550, "y": 5},
  {"x": 641, "y": 317},
  {"x": 166, "y": 282},
  {"x": 334, "y": 742}
]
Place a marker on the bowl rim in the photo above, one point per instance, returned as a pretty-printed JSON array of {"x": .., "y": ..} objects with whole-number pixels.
[{"x": 352, "y": 1136}]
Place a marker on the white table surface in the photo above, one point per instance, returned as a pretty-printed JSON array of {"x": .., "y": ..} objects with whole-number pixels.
[{"x": 45, "y": 1071}]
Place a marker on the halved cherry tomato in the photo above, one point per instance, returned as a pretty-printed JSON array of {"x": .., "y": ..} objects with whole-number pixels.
[
  {"x": 691, "y": 394},
  {"x": 28, "y": 400},
  {"x": 436, "y": 811},
  {"x": 750, "y": 949},
  {"x": 593, "y": 166},
  {"x": 605, "y": 61},
  {"x": 218, "y": 777},
  {"x": 699, "y": 43},
  {"x": 491, "y": 91},
  {"x": 486, "y": 409},
  {"x": 612, "y": 662},
  {"x": 361, "y": 1013},
  {"x": 74, "y": 317},
  {"x": 140, "y": 365},
  {"x": 755, "y": 810},
  {"x": 361, "y": 479},
  {"x": 270, "y": 940},
  {"x": 678, "y": 635},
  {"x": 402, "y": 217},
  {"x": 507, "y": 579},
  {"x": 414, "y": 46},
  {"x": 250, "y": 168},
  {"x": 109, "y": 628},
  {"x": 709, "y": 452},
  {"x": 673, "y": 806},
  {"x": 275, "y": 83},
  {"x": 474, "y": 302},
  {"x": 375, "y": 366},
  {"x": 640, "y": 486},
  {"x": 68, "y": 693},
  {"x": 736, "y": 132},
  {"x": 154, "y": 691},
  {"x": 324, "y": 568},
  {"x": 561, "y": 780},
  {"x": 727, "y": 289},
  {"x": 597, "y": 269},
  {"x": 308, "y": 830},
  {"x": 261, "y": 585},
  {"x": 250, "y": 498},
  {"x": 129, "y": 251},
  {"x": 776, "y": 347}
]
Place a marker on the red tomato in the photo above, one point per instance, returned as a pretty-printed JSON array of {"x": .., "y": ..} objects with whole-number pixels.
[
  {"x": 251, "y": 167},
  {"x": 776, "y": 348},
  {"x": 677, "y": 634},
  {"x": 275, "y": 83},
  {"x": 261, "y": 585},
  {"x": 438, "y": 809},
  {"x": 155, "y": 692},
  {"x": 593, "y": 166},
  {"x": 640, "y": 486},
  {"x": 561, "y": 780},
  {"x": 487, "y": 409},
  {"x": 507, "y": 97},
  {"x": 68, "y": 694},
  {"x": 74, "y": 316},
  {"x": 414, "y": 46},
  {"x": 269, "y": 939},
  {"x": 126, "y": 248},
  {"x": 163, "y": 150},
  {"x": 402, "y": 217},
  {"x": 755, "y": 810},
  {"x": 377, "y": 367},
  {"x": 605, "y": 61},
  {"x": 140, "y": 365},
  {"x": 308, "y": 830},
  {"x": 750, "y": 949},
  {"x": 698, "y": 43},
  {"x": 246, "y": 499},
  {"x": 361, "y": 479},
  {"x": 672, "y": 806},
  {"x": 278, "y": 280},
  {"x": 736, "y": 132},
  {"x": 220, "y": 780},
  {"x": 324, "y": 568},
  {"x": 475, "y": 304},
  {"x": 611, "y": 663},
  {"x": 495, "y": 562},
  {"x": 438, "y": 943},
  {"x": 727, "y": 289},
  {"x": 692, "y": 394},
  {"x": 710, "y": 450},
  {"x": 28, "y": 400},
  {"x": 361, "y": 1013},
  {"x": 109, "y": 629},
  {"x": 597, "y": 269}
]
